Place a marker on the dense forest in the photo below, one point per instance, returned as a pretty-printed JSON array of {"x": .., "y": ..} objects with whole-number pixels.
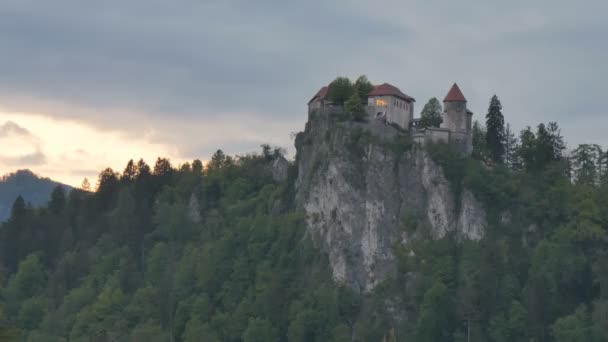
[{"x": 219, "y": 252}]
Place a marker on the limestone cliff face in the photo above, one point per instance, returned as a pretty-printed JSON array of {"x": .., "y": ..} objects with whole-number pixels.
[{"x": 359, "y": 186}]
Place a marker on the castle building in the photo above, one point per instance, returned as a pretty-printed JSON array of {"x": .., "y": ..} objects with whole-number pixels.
[
  {"x": 319, "y": 100},
  {"x": 389, "y": 104},
  {"x": 458, "y": 119}
]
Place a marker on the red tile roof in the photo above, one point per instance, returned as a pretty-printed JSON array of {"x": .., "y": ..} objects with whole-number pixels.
[
  {"x": 321, "y": 94},
  {"x": 386, "y": 89},
  {"x": 454, "y": 94}
]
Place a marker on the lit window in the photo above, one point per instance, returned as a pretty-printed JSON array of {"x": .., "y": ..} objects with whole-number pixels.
[{"x": 381, "y": 103}]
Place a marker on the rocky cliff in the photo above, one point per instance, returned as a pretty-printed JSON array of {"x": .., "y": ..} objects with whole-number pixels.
[{"x": 365, "y": 187}]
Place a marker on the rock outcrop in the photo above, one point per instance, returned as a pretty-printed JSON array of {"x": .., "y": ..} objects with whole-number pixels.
[{"x": 361, "y": 185}]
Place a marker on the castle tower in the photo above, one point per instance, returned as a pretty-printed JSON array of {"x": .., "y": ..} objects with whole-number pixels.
[{"x": 458, "y": 119}]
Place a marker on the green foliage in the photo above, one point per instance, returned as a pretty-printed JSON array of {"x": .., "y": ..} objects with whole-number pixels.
[
  {"x": 188, "y": 254},
  {"x": 29, "y": 280},
  {"x": 431, "y": 114},
  {"x": 480, "y": 147},
  {"x": 541, "y": 149},
  {"x": 31, "y": 313},
  {"x": 355, "y": 107},
  {"x": 259, "y": 330},
  {"x": 495, "y": 131},
  {"x": 511, "y": 146},
  {"x": 573, "y": 328},
  {"x": 358, "y": 140},
  {"x": 340, "y": 90},
  {"x": 542, "y": 253},
  {"x": 434, "y": 319},
  {"x": 599, "y": 319},
  {"x": 363, "y": 87},
  {"x": 586, "y": 161},
  {"x": 7, "y": 335}
]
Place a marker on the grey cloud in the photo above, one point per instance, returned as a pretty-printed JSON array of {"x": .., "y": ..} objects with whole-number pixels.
[
  {"x": 189, "y": 60},
  {"x": 10, "y": 128},
  {"x": 27, "y": 160},
  {"x": 193, "y": 61}
]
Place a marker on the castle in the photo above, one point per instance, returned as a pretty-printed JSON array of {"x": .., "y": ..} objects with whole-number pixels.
[{"x": 390, "y": 105}]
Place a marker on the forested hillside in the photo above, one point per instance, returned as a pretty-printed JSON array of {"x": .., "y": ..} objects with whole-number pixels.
[
  {"x": 220, "y": 253},
  {"x": 33, "y": 189},
  {"x": 167, "y": 254}
]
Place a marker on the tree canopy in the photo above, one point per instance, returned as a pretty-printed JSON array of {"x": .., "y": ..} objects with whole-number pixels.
[
  {"x": 431, "y": 114},
  {"x": 495, "y": 131}
]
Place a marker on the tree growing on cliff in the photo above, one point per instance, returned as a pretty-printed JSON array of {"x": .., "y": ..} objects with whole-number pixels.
[
  {"x": 586, "y": 161},
  {"x": 340, "y": 90},
  {"x": 495, "y": 131},
  {"x": 479, "y": 141},
  {"x": 363, "y": 87},
  {"x": 431, "y": 114},
  {"x": 355, "y": 107}
]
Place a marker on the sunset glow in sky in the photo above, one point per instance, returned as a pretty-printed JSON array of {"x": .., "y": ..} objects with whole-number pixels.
[
  {"x": 84, "y": 86},
  {"x": 67, "y": 150}
]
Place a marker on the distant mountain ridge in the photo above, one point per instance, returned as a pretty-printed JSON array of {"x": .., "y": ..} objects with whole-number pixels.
[{"x": 33, "y": 188}]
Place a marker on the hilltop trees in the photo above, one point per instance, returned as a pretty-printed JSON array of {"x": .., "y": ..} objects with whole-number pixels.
[
  {"x": 495, "y": 131},
  {"x": 478, "y": 133},
  {"x": 340, "y": 90},
  {"x": 352, "y": 95},
  {"x": 586, "y": 163},
  {"x": 511, "y": 159},
  {"x": 537, "y": 150},
  {"x": 363, "y": 87},
  {"x": 355, "y": 107},
  {"x": 431, "y": 114}
]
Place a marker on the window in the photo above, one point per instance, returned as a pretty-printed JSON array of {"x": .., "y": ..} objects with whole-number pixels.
[{"x": 381, "y": 103}]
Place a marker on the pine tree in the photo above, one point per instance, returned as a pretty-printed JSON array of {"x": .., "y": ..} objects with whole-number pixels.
[
  {"x": 586, "y": 164},
  {"x": 130, "y": 172},
  {"x": 58, "y": 200},
  {"x": 511, "y": 145},
  {"x": 557, "y": 141},
  {"x": 86, "y": 185},
  {"x": 480, "y": 149},
  {"x": 495, "y": 131},
  {"x": 526, "y": 151},
  {"x": 431, "y": 114},
  {"x": 143, "y": 169}
]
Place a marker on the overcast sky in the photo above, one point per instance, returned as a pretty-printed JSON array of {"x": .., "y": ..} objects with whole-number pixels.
[{"x": 85, "y": 85}]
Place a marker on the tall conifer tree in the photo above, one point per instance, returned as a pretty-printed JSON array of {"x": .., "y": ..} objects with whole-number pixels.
[{"x": 495, "y": 130}]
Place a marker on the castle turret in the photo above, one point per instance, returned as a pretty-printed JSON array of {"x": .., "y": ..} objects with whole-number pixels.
[{"x": 458, "y": 119}]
